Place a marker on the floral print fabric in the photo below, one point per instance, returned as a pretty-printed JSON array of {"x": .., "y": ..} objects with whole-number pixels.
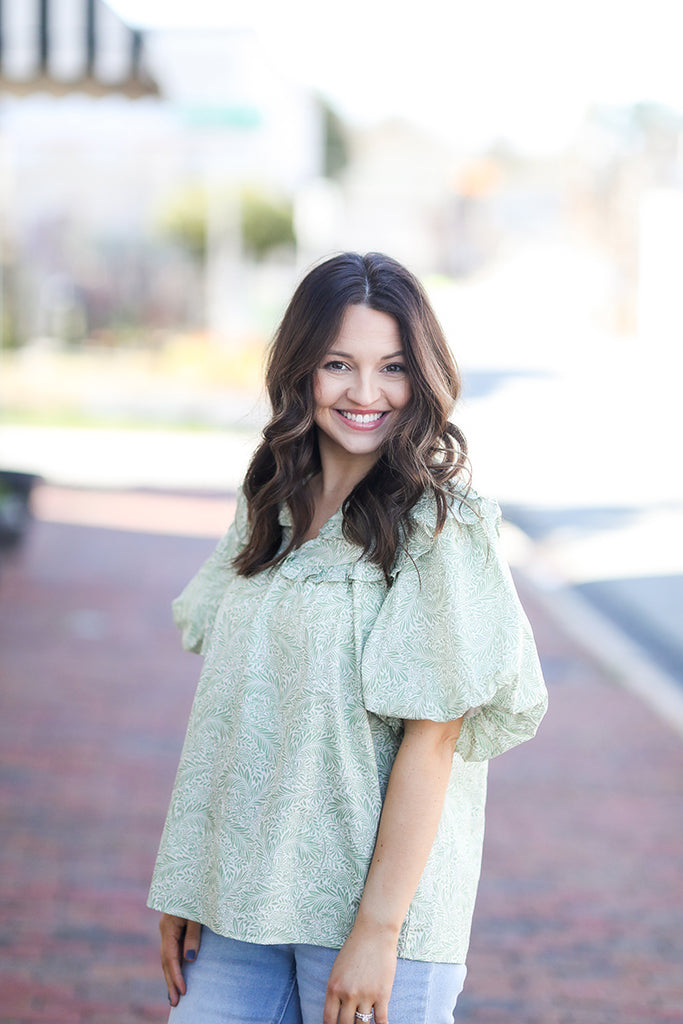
[{"x": 309, "y": 670}]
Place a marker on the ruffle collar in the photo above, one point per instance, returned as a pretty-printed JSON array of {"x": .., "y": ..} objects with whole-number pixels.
[
  {"x": 331, "y": 528},
  {"x": 329, "y": 556}
]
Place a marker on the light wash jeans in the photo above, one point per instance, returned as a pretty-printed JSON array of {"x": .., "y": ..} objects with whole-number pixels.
[{"x": 234, "y": 982}]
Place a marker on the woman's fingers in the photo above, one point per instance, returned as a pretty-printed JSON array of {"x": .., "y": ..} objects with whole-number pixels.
[
  {"x": 331, "y": 1009},
  {"x": 361, "y": 978},
  {"x": 193, "y": 937},
  {"x": 172, "y": 931},
  {"x": 381, "y": 1009},
  {"x": 344, "y": 1011},
  {"x": 340, "y": 1007}
]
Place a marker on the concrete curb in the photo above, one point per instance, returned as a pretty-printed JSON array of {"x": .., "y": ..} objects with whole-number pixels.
[{"x": 619, "y": 656}]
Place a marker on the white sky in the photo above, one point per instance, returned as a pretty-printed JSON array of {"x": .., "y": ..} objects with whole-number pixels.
[{"x": 471, "y": 69}]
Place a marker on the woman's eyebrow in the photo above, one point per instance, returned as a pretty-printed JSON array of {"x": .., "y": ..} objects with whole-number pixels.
[{"x": 347, "y": 355}]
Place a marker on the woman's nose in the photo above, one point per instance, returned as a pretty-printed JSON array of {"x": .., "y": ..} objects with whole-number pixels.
[{"x": 364, "y": 390}]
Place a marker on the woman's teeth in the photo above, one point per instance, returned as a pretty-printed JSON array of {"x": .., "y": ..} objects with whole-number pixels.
[{"x": 369, "y": 417}]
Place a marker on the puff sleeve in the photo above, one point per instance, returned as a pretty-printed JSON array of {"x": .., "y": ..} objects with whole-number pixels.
[
  {"x": 194, "y": 611},
  {"x": 452, "y": 639}
]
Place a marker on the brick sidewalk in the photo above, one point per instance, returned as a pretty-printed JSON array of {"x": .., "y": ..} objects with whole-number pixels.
[{"x": 579, "y": 916}]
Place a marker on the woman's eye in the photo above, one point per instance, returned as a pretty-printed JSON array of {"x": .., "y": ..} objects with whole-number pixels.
[
  {"x": 395, "y": 368},
  {"x": 335, "y": 365}
]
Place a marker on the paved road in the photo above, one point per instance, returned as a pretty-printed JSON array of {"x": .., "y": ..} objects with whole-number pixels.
[{"x": 578, "y": 919}]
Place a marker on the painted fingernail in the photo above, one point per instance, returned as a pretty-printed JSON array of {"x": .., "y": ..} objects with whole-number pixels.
[{"x": 190, "y": 954}]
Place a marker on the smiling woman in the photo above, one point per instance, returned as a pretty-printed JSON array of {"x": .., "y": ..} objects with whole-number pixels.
[
  {"x": 359, "y": 339},
  {"x": 361, "y": 386},
  {"x": 365, "y": 654}
]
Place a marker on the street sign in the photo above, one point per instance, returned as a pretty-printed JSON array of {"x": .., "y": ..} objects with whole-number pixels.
[{"x": 209, "y": 116}]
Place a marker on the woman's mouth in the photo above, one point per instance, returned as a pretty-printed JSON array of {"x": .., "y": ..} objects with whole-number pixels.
[{"x": 361, "y": 420}]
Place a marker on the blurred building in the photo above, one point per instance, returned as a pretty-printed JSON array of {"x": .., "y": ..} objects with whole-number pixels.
[
  {"x": 59, "y": 46},
  {"x": 125, "y": 158},
  {"x": 100, "y": 128}
]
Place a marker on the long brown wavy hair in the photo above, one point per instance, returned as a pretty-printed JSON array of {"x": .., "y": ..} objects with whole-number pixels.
[{"x": 424, "y": 452}]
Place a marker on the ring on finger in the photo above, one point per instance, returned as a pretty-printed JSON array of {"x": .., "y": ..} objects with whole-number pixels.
[{"x": 363, "y": 1016}]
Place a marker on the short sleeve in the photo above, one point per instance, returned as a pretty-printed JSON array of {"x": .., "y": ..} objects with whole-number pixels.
[
  {"x": 452, "y": 639},
  {"x": 194, "y": 611}
]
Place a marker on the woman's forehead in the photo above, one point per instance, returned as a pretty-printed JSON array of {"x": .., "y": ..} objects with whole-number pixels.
[{"x": 362, "y": 327}]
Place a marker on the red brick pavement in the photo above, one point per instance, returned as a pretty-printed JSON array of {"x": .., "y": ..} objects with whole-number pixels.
[{"x": 579, "y": 916}]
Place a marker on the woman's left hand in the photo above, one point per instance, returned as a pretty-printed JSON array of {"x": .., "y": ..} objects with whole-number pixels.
[{"x": 361, "y": 977}]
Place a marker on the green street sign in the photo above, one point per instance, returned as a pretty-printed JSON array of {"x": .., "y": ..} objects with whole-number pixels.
[{"x": 209, "y": 116}]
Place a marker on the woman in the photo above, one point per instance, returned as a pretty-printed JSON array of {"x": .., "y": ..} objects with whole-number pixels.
[{"x": 365, "y": 654}]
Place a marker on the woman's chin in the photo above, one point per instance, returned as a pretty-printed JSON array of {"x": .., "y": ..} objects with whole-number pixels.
[{"x": 361, "y": 445}]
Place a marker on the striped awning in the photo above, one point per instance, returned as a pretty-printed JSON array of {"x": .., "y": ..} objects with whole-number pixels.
[{"x": 65, "y": 46}]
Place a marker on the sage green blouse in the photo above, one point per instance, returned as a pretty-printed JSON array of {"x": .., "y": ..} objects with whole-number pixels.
[{"x": 309, "y": 670}]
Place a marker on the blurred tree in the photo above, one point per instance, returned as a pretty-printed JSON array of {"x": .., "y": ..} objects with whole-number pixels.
[
  {"x": 335, "y": 143},
  {"x": 267, "y": 221},
  {"x": 9, "y": 337},
  {"x": 183, "y": 219}
]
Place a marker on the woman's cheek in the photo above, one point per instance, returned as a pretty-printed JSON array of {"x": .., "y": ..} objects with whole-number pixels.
[
  {"x": 405, "y": 395},
  {"x": 317, "y": 388}
]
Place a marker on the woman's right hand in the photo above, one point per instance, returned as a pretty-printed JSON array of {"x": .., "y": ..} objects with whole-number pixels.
[{"x": 180, "y": 941}]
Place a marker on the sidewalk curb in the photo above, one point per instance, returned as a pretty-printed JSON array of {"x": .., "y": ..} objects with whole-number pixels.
[{"x": 623, "y": 659}]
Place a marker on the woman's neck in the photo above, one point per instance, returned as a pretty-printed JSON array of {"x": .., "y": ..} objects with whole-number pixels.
[{"x": 340, "y": 471}]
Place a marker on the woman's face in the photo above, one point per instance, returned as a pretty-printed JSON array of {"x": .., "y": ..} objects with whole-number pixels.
[{"x": 361, "y": 384}]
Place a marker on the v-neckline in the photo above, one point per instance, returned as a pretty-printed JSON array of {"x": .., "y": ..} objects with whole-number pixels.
[{"x": 323, "y": 528}]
